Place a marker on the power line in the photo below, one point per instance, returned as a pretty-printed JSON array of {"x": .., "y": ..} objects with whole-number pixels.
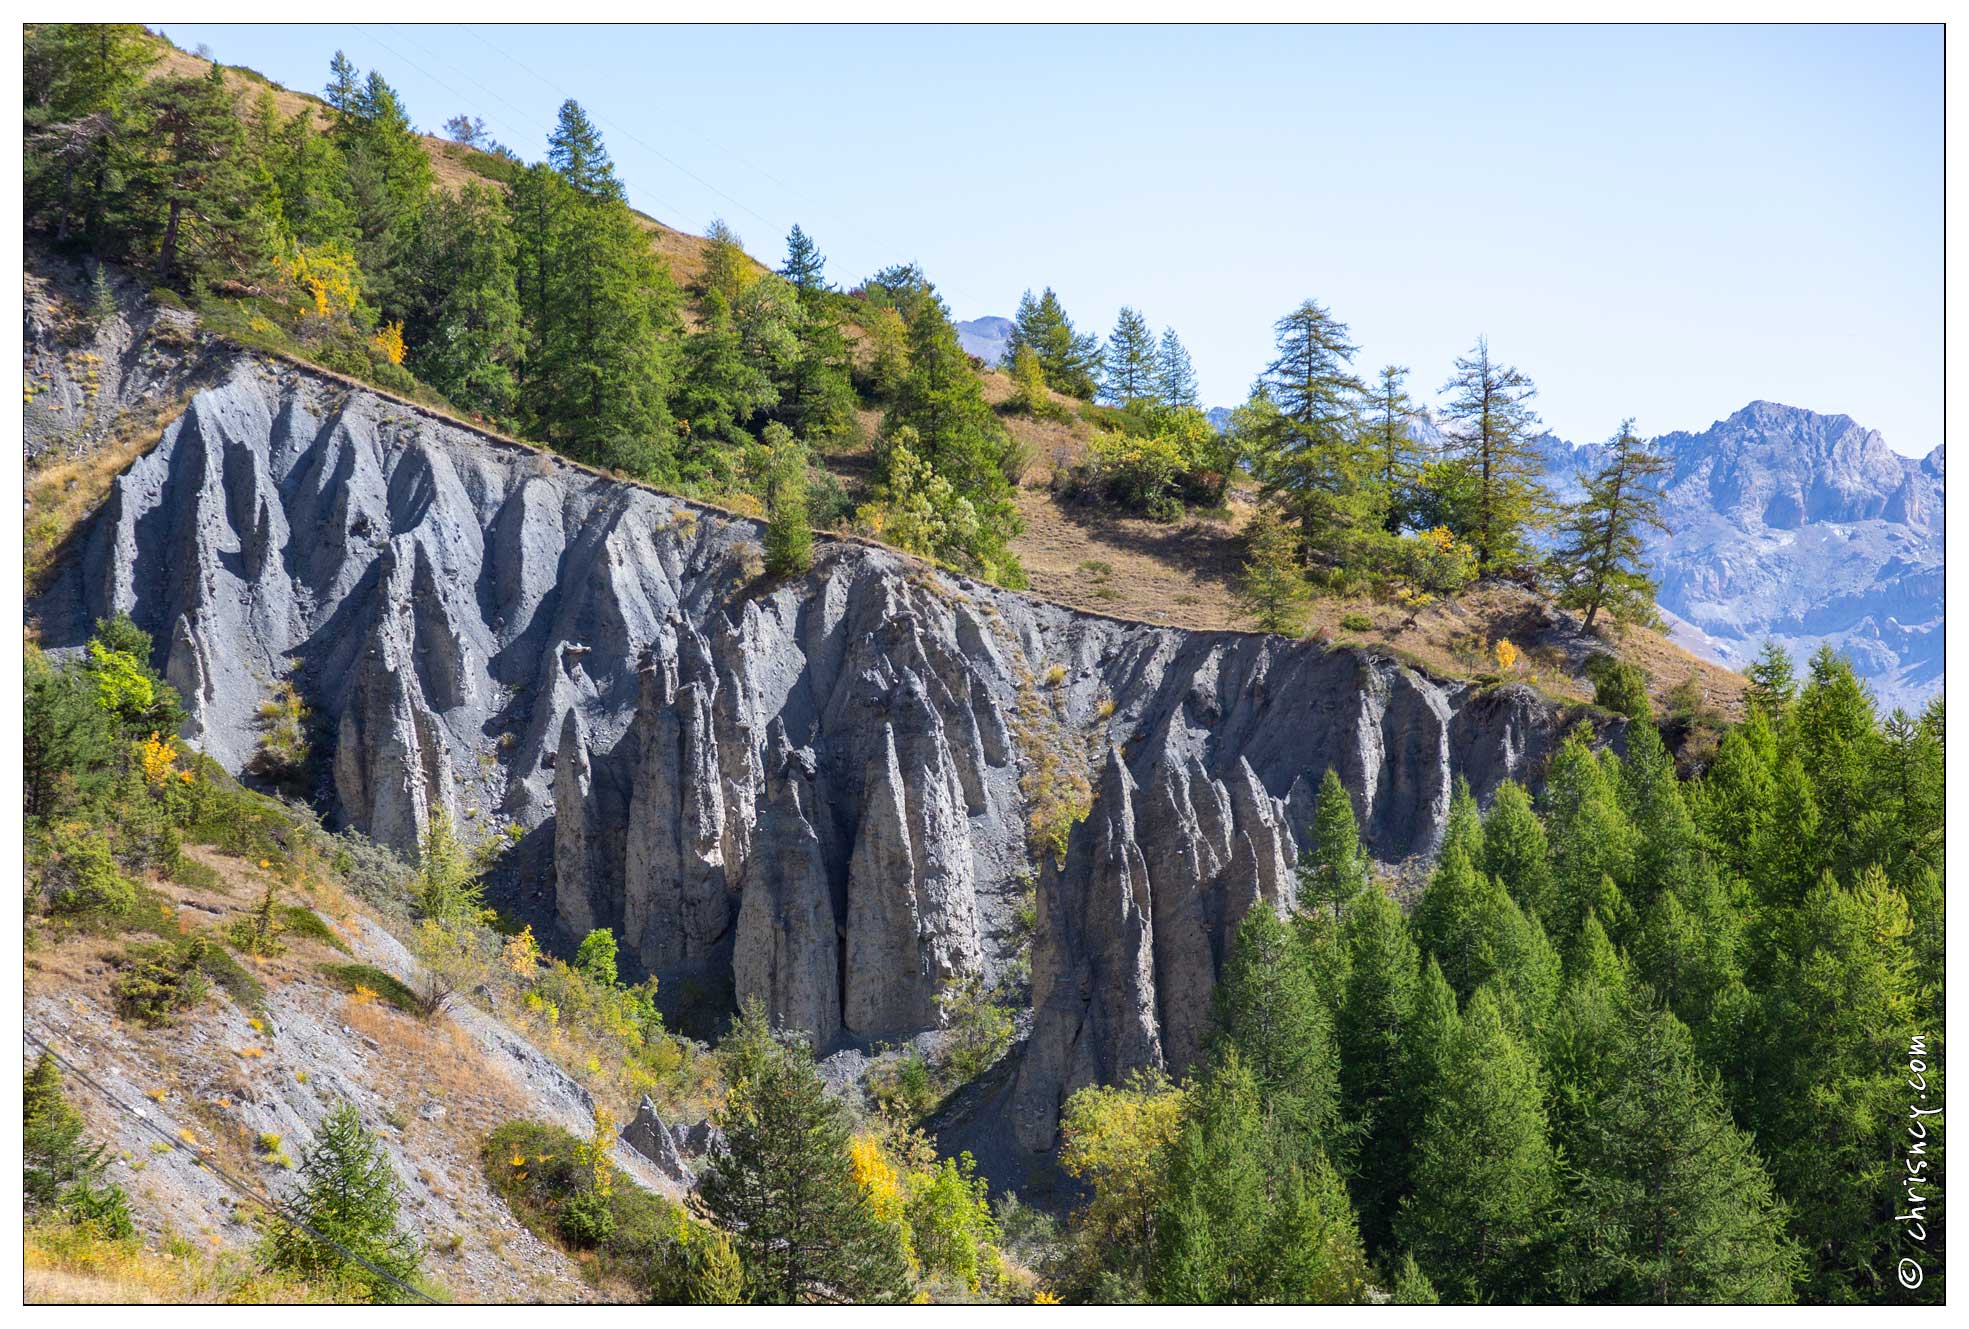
[
  {"x": 558, "y": 91},
  {"x": 231, "y": 1181}
]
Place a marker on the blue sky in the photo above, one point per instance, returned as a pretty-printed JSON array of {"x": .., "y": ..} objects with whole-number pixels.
[{"x": 1660, "y": 222}]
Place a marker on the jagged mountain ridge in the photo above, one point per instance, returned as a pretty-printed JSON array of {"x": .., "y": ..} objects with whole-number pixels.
[
  {"x": 1789, "y": 525},
  {"x": 985, "y": 338},
  {"x": 818, "y": 792}
]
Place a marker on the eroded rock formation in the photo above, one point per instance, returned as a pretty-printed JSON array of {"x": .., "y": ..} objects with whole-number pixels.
[{"x": 822, "y": 792}]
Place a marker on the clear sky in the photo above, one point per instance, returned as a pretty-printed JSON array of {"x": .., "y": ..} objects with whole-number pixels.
[{"x": 1660, "y": 222}]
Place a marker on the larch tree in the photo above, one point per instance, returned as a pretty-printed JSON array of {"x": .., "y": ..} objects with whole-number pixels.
[
  {"x": 1128, "y": 364},
  {"x": 1489, "y": 424},
  {"x": 1071, "y": 360},
  {"x": 1390, "y": 410},
  {"x": 576, "y": 152},
  {"x": 1272, "y": 590},
  {"x": 1175, "y": 378},
  {"x": 1599, "y": 562},
  {"x": 1319, "y": 461}
]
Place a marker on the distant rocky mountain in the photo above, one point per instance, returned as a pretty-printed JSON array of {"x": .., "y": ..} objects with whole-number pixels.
[
  {"x": 1788, "y": 525},
  {"x": 985, "y": 338}
]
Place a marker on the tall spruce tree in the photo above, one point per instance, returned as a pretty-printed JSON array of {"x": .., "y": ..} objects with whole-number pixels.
[
  {"x": 1668, "y": 1202},
  {"x": 1489, "y": 424},
  {"x": 1319, "y": 461},
  {"x": 1598, "y": 562},
  {"x": 1175, "y": 378},
  {"x": 1070, "y": 360},
  {"x": 462, "y": 315},
  {"x": 1377, "y": 1020},
  {"x": 1128, "y": 364},
  {"x": 805, "y": 265},
  {"x": 1333, "y": 870},
  {"x": 1268, "y": 1011},
  {"x": 200, "y": 201},
  {"x": 784, "y": 1187},
  {"x": 1397, "y": 463},
  {"x": 1479, "y": 1220},
  {"x": 576, "y": 152}
]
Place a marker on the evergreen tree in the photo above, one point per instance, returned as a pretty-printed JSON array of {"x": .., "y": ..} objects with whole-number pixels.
[
  {"x": 1478, "y": 1220},
  {"x": 69, "y": 744},
  {"x": 1398, "y": 463},
  {"x": 389, "y": 179},
  {"x": 1128, "y": 365},
  {"x": 1268, "y": 1009},
  {"x": 576, "y": 152},
  {"x": 789, "y": 534},
  {"x": 1377, "y": 1018},
  {"x": 1773, "y": 683},
  {"x": 599, "y": 308},
  {"x": 805, "y": 264},
  {"x": 1412, "y": 1286},
  {"x": 1175, "y": 379},
  {"x": 1319, "y": 460},
  {"x": 1245, "y": 1221},
  {"x": 61, "y": 1172},
  {"x": 462, "y": 320},
  {"x": 344, "y": 89},
  {"x": 310, "y": 186},
  {"x": 1592, "y": 841},
  {"x": 784, "y": 1187},
  {"x": 726, "y": 268},
  {"x": 1070, "y": 360},
  {"x": 1515, "y": 852},
  {"x": 1825, "y": 1089},
  {"x": 199, "y": 200},
  {"x": 1669, "y": 1203},
  {"x": 1272, "y": 591},
  {"x": 1598, "y": 560},
  {"x": 1490, "y": 424},
  {"x": 347, "y": 1193},
  {"x": 80, "y": 93},
  {"x": 1333, "y": 870}
]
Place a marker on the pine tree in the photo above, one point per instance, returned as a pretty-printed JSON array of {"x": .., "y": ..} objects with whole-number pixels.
[
  {"x": 1333, "y": 870},
  {"x": 805, "y": 264},
  {"x": 1773, "y": 683},
  {"x": 1489, "y": 425},
  {"x": 1591, "y": 838},
  {"x": 726, "y": 268},
  {"x": 1825, "y": 1091},
  {"x": 463, "y": 316},
  {"x": 1669, "y": 1203},
  {"x": 1128, "y": 365},
  {"x": 784, "y": 1188},
  {"x": 1320, "y": 460},
  {"x": 1272, "y": 590},
  {"x": 389, "y": 179},
  {"x": 1377, "y": 1018},
  {"x": 1070, "y": 360},
  {"x": 199, "y": 201},
  {"x": 1412, "y": 1286},
  {"x": 789, "y": 534},
  {"x": 1516, "y": 854},
  {"x": 1268, "y": 1010},
  {"x": 344, "y": 87},
  {"x": 1598, "y": 560},
  {"x": 80, "y": 92},
  {"x": 60, "y": 1171},
  {"x": 576, "y": 152},
  {"x": 599, "y": 308},
  {"x": 1479, "y": 1219},
  {"x": 1245, "y": 1220},
  {"x": 1175, "y": 379},
  {"x": 348, "y": 1194},
  {"x": 1398, "y": 463}
]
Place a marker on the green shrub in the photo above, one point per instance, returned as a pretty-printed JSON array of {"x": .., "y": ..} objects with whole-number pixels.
[
  {"x": 1355, "y": 621},
  {"x": 1619, "y": 687},
  {"x": 305, "y": 922},
  {"x": 80, "y": 876},
  {"x": 390, "y": 988},
  {"x": 556, "y": 1186},
  {"x": 156, "y": 980}
]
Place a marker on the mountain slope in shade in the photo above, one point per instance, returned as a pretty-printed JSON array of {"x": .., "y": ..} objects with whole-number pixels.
[
  {"x": 985, "y": 338},
  {"x": 1802, "y": 528}
]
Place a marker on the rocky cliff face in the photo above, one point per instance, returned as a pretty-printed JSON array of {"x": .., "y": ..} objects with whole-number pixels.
[{"x": 824, "y": 793}]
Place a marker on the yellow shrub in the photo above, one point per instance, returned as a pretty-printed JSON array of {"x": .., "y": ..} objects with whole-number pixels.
[
  {"x": 389, "y": 340},
  {"x": 159, "y": 757}
]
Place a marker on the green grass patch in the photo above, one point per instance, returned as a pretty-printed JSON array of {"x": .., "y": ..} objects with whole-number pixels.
[
  {"x": 387, "y": 986},
  {"x": 301, "y": 921}
]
